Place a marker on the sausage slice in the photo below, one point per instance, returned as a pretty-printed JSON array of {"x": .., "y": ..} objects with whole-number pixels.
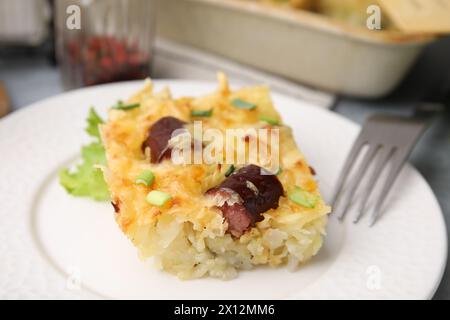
[
  {"x": 158, "y": 138},
  {"x": 244, "y": 195}
]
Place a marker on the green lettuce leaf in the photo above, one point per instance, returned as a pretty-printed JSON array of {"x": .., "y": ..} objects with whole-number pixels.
[
  {"x": 86, "y": 180},
  {"x": 93, "y": 121}
]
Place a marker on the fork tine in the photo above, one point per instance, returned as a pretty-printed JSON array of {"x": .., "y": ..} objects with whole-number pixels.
[
  {"x": 368, "y": 157},
  {"x": 386, "y": 154},
  {"x": 393, "y": 173},
  {"x": 347, "y": 166},
  {"x": 397, "y": 135}
]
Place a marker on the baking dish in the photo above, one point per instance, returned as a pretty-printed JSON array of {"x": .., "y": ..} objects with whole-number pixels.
[{"x": 296, "y": 44}]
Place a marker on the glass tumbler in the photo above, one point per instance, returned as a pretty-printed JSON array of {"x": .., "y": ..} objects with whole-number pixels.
[{"x": 102, "y": 41}]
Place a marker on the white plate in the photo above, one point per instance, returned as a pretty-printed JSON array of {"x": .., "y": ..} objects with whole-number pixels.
[{"x": 51, "y": 242}]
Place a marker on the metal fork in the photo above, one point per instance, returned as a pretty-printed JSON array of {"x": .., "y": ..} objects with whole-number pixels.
[{"x": 388, "y": 140}]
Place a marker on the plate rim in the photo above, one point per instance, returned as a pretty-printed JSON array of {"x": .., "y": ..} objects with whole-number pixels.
[{"x": 162, "y": 82}]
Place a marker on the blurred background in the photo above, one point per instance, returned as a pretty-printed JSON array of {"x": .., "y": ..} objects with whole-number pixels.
[{"x": 355, "y": 57}]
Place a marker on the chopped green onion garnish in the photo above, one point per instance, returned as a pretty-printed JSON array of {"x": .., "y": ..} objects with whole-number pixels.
[
  {"x": 146, "y": 178},
  {"x": 242, "y": 104},
  {"x": 278, "y": 171},
  {"x": 303, "y": 198},
  {"x": 269, "y": 120},
  {"x": 202, "y": 113},
  {"x": 158, "y": 198},
  {"x": 230, "y": 171},
  {"x": 125, "y": 107}
]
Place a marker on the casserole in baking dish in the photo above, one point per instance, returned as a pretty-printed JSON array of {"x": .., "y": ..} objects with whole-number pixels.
[{"x": 300, "y": 45}]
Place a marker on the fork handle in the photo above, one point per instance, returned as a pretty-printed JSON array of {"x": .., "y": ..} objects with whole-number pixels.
[
  {"x": 427, "y": 110},
  {"x": 4, "y": 101}
]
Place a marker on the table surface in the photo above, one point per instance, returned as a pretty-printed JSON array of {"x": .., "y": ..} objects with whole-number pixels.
[{"x": 31, "y": 79}]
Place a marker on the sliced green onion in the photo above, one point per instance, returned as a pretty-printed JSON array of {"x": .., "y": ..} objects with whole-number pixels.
[
  {"x": 269, "y": 120},
  {"x": 242, "y": 104},
  {"x": 230, "y": 171},
  {"x": 303, "y": 198},
  {"x": 158, "y": 198},
  {"x": 202, "y": 113},
  {"x": 146, "y": 178},
  {"x": 125, "y": 107}
]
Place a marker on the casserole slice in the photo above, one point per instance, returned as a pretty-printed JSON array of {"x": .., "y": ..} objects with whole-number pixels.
[{"x": 203, "y": 218}]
